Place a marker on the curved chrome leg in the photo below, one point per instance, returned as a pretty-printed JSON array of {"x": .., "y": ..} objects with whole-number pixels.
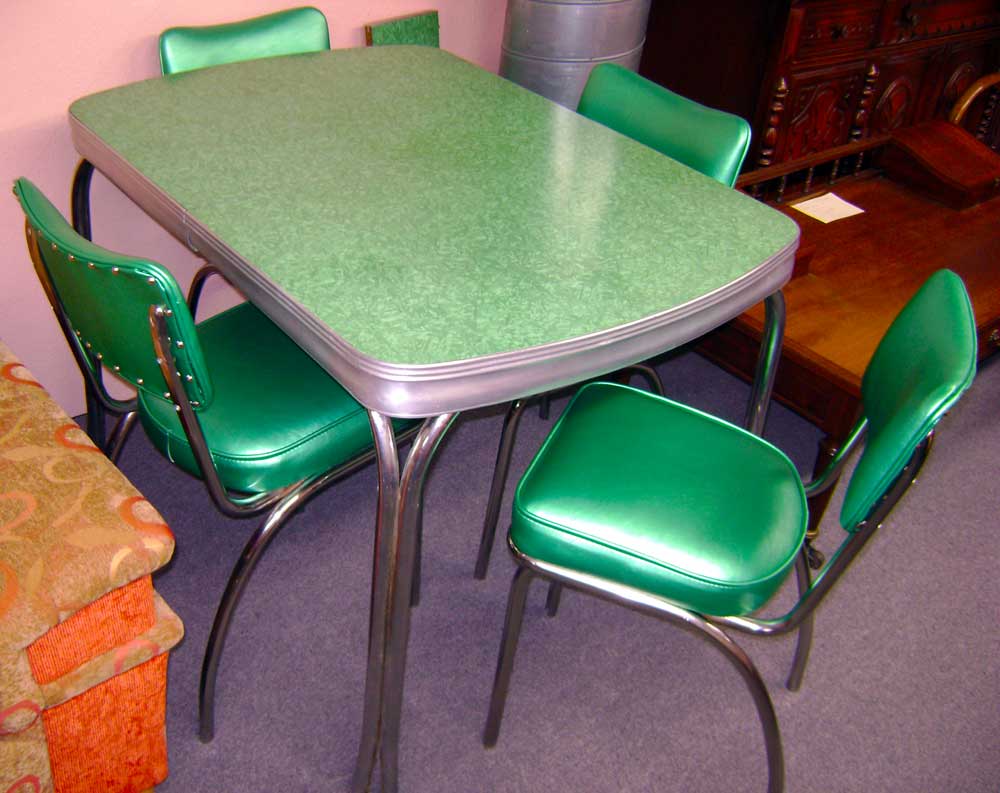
[
  {"x": 508, "y": 647},
  {"x": 500, "y": 471},
  {"x": 767, "y": 363},
  {"x": 80, "y": 215},
  {"x": 650, "y": 375},
  {"x": 804, "y": 642},
  {"x": 552, "y": 598},
  {"x": 119, "y": 434},
  {"x": 765, "y": 709},
  {"x": 197, "y": 284},
  {"x": 378, "y": 616},
  {"x": 544, "y": 403},
  {"x": 418, "y": 559},
  {"x": 80, "y": 199},
  {"x": 650, "y": 604},
  {"x": 411, "y": 494},
  {"x": 238, "y": 579}
]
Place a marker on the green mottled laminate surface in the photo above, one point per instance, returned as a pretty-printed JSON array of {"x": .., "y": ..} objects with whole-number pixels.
[{"x": 426, "y": 210}]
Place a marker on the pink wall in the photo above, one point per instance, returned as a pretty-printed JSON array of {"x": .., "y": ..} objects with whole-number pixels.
[{"x": 56, "y": 51}]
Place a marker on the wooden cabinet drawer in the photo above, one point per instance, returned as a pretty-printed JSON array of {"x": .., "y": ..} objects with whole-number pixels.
[
  {"x": 832, "y": 27},
  {"x": 911, "y": 20}
]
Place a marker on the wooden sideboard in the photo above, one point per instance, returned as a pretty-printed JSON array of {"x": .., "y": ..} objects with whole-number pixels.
[
  {"x": 814, "y": 74},
  {"x": 857, "y": 274}
]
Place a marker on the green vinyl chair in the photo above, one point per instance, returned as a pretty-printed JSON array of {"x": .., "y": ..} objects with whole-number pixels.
[
  {"x": 422, "y": 29},
  {"x": 183, "y": 49},
  {"x": 231, "y": 400},
  {"x": 707, "y": 140},
  {"x": 288, "y": 32},
  {"x": 676, "y": 513}
]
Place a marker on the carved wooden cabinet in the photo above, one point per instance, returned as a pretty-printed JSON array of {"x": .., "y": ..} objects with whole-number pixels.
[{"x": 814, "y": 74}]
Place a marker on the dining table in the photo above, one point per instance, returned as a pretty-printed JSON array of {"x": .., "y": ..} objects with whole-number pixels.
[{"x": 438, "y": 239}]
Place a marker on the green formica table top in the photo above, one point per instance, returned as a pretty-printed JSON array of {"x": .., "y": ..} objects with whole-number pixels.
[{"x": 435, "y": 236}]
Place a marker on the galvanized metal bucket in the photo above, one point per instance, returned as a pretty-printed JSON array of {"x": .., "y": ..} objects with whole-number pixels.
[{"x": 550, "y": 46}]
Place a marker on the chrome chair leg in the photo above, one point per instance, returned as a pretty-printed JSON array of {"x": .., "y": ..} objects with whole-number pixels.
[
  {"x": 552, "y": 598},
  {"x": 544, "y": 403},
  {"x": 238, "y": 579},
  {"x": 762, "y": 700},
  {"x": 508, "y": 647},
  {"x": 648, "y": 604},
  {"x": 197, "y": 284},
  {"x": 80, "y": 215},
  {"x": 418, "y": 558},
  {"x": 500, "y": 471},
  {"x": 119, "y": 434},
  {"x": 650, "y": 375},
  {"x": 803, "y": 643}
]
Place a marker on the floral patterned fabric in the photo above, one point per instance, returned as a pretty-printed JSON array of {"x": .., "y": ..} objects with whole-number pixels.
[{"x": 73, "y": 531}]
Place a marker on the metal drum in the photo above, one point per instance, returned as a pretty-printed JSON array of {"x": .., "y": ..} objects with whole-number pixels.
[{"x": 550, "y": 46}]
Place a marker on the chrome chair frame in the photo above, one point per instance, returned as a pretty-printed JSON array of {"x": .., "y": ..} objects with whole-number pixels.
[{"x": 800, "y": 617}]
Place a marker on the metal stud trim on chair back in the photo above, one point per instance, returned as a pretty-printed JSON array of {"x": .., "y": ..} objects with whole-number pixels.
[
  {"x": 289, "y": 32},
  {"x": 710, "y": 141},
  {"x": 925, "y": 361},
  {"x": 105, "y": 297}
]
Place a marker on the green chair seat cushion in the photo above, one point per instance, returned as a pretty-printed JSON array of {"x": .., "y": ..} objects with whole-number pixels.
[
  {"x": 640, "y": 490},
  {"x": 276, "y": 418}
]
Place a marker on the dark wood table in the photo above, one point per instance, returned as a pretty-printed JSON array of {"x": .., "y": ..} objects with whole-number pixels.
[{"x": 855, "y": 275}]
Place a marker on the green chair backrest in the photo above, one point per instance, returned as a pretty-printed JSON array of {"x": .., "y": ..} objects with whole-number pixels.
[
  {"x": 416, "y": 29},
  {"x": 708, "y": 140},
  {"x": 925, "y": 361},
  {"x": 283, "y": 33},
  {"x": 107, "y": 296}
]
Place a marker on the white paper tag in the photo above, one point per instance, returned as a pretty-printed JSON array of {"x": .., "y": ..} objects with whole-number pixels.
[{"x": 827, "y": 207}]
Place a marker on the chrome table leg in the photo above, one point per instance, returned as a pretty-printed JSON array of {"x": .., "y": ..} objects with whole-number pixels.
[
  {"x": 397, "y": 524},
  {"x": 767, "y": 363}
]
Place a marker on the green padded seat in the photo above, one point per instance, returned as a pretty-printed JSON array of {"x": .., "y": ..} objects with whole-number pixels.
[
  {"x": 708, "y": 140},
  {"x": 699, "y": 512},
  {"x": 279, "y": 436},
  {"x": 289, "y": 32}
]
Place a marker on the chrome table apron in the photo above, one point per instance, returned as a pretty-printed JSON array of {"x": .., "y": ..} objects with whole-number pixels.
[{"x": 438, "y": 239}]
